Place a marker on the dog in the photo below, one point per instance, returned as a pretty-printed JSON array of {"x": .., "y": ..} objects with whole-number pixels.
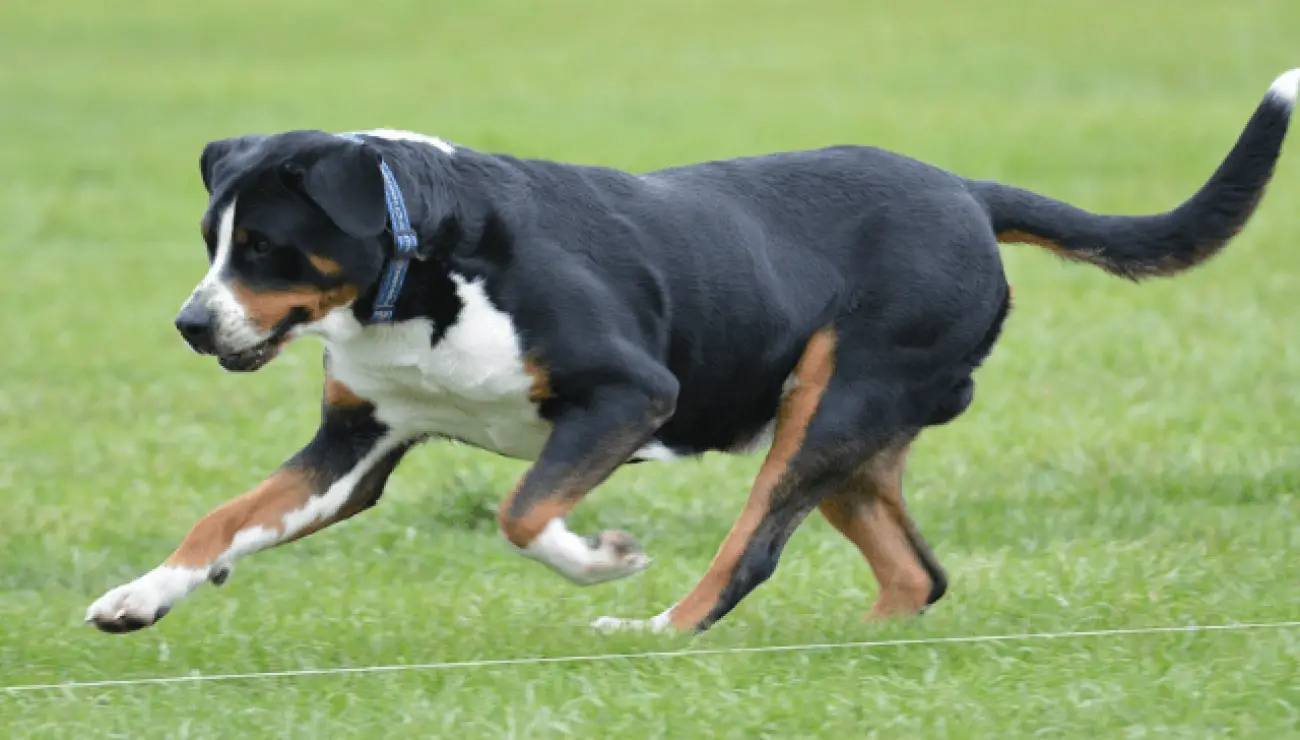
[{"x": 825, "y": 305}]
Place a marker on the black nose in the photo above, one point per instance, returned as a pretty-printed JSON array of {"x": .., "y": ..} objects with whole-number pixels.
[{"x": 195, "y": 324}]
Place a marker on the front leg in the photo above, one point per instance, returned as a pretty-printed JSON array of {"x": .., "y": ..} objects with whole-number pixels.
[
  {"x": 589, "y": 440},
  {"x": 341, "y": 472}
]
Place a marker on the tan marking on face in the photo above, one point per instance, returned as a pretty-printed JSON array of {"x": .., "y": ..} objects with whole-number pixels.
[
  {"x": 205, "y": 229},
  {"x": 240, "y": 237},
  {"x": 325, "y": 265},
  {"x": 797, "y": 408},
  {"x": 266, "y": 309},
  {"x": 869, "y": 511},
  {"x": 286, "y": 490},
  {"x": 541, "y": 387}
]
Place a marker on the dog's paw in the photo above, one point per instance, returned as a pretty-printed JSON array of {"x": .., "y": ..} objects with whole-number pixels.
[
  {"x": 219, "y": 574},
  {"x": 614, "y": 555},
  {"x": 588, "y": 560},
  {"x": 656, "y": 625},
  {"x": 145, "y": 600}
]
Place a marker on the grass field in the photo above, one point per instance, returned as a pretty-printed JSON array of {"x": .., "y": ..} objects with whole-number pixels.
[{"x": 1131, "y": 459}]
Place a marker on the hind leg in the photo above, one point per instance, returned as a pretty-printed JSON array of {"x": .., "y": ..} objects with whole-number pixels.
[
  {"x": 819, "y": 439},
  {"x": 869, "y": 510},
  {"x": 749, "y": 552}
]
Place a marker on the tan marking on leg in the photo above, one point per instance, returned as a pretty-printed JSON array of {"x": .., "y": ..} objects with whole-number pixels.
[
  {"x": 266, "y": 309},
  {"x": 325, "y": 265},
  {"x": 541, "y": 387},
  {"x": 554, "y": 485},
  {"x": 350, "y": 509},
  {"x": 869, "y": 511},
  {"x": 521, "y": 530},
  {"x": 364, "y": 494},
  {"x": 797, "y": 408},
  {"x": 286, "y": 490}
]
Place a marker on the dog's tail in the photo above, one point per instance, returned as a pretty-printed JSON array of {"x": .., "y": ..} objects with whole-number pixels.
[{"x": 1137, "y": 247}]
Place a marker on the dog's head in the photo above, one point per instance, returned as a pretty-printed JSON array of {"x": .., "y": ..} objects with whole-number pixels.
[{"x": 293, "y": 231}]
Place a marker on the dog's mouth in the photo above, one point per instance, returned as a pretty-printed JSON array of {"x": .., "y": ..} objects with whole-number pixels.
[
  {"x": 253, "y": 358},
  {"x": 256, "y": 357}
]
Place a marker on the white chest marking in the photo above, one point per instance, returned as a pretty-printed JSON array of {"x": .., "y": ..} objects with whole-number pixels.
[{"x": 471, "y": 385}]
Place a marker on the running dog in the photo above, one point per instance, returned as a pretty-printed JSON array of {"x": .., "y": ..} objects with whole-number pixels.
[{"x": 823, "y": 305}]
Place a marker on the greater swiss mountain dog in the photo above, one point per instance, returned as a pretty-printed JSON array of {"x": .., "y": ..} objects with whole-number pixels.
[{"x": 826, "y": 305}]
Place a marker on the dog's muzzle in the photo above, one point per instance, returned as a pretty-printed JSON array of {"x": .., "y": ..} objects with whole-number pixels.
[{"x": 209, "y": 332}]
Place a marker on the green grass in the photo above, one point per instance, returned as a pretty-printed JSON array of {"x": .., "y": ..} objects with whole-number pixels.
[{"x": 1131, "y": 459}]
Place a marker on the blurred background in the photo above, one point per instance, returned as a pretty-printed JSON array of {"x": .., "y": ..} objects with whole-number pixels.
[{"x": 1130, "y": 459}]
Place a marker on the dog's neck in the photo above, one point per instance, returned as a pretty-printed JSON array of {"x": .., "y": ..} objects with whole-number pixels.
[{"x": 456, "y": 224}]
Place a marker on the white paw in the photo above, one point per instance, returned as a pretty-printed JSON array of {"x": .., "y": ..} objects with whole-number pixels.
[
  {"x": 586, "y": 561},
  {"x": 615, "y": 555},
  {"x": 145, "y": 600},
  {"x": 658, "y": 624}
]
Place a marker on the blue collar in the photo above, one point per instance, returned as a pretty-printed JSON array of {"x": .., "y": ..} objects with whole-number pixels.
[{"x": 406, "y": 244}]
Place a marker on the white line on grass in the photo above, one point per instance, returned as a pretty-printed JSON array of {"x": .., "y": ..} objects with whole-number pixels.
[{"x": 605, "y": 657}]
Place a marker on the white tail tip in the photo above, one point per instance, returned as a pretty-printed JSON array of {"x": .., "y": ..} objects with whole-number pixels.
[{"x": 1285, "y": 87}]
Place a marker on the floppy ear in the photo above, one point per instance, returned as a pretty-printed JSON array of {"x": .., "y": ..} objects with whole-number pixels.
[
  {"x": 215, "y": 154},
  {"x": 347, "y": 185}
]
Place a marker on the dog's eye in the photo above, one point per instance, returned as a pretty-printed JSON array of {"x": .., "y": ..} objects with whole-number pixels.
[{"x": 260, "y": 248}]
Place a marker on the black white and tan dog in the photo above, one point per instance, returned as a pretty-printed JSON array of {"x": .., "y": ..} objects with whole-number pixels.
[{"x": 825, "y": 305}]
